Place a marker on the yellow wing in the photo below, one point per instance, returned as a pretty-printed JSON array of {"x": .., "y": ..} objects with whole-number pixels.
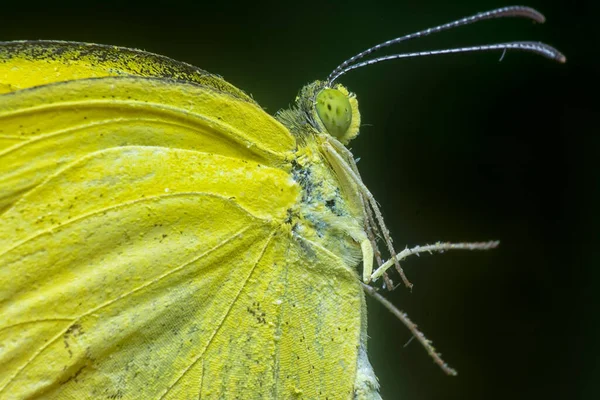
[
  {"x": 25, "y": 64},
  {"x": 43, "y": 130},
  {"x": 147, "y": 250}
]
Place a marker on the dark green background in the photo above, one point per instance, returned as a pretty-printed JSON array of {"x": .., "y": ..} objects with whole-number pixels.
[{"x": 458, "y": 148}]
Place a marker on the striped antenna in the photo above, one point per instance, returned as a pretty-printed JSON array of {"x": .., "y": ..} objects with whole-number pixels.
[{"x": 512, "y": 11}]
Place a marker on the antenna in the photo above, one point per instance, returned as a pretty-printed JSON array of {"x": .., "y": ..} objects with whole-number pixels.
[{"x": 512, "y": 11}]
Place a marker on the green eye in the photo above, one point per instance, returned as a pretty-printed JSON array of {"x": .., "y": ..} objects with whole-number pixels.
[{"x": 333, "y": 107}]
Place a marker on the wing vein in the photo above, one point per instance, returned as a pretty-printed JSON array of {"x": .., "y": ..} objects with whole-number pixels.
[
  {"x": 147, "y": 284},
  {"x": 160, "y": 109},
  {"x": 120, "y": 206},
  {"x": 35, "y": 355},
  {"x": 60, "y": 132},
  {"x": 220, "y": 325},
  {"x": 170, "y": 272},
  {"x": 35, "y": 321}
]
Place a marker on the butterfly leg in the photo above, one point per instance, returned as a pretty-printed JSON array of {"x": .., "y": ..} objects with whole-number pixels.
[{"x": 439, "y": 247}]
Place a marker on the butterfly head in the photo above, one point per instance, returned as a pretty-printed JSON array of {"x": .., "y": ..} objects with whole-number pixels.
[
  {"x": 337, "y": 113},
  {"x": 328, "y": 109}
]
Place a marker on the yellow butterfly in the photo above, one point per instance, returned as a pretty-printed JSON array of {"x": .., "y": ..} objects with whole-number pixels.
[{"x": 162, "y": 237}]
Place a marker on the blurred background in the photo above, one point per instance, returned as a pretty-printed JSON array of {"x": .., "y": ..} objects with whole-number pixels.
[{"x": 455, "y": 148}]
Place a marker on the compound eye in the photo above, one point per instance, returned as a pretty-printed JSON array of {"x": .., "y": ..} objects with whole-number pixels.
[{"x": 334, "y": 110}]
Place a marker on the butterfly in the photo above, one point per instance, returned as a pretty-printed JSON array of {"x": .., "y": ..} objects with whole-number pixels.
[{"x": 162, "y": 236}]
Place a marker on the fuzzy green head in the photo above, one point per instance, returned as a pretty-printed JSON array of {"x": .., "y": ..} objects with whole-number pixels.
[
  {"x": 329, "y": 110},
  {"x": 334, "y": 110},
  {"x": 337, "y": 111}
]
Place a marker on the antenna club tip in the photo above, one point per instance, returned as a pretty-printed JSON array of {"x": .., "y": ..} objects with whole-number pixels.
[
  {"x": 539, "y": 19},
  {"x": 529, "y": 12},
  {"x": 561, "y": 58}
]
